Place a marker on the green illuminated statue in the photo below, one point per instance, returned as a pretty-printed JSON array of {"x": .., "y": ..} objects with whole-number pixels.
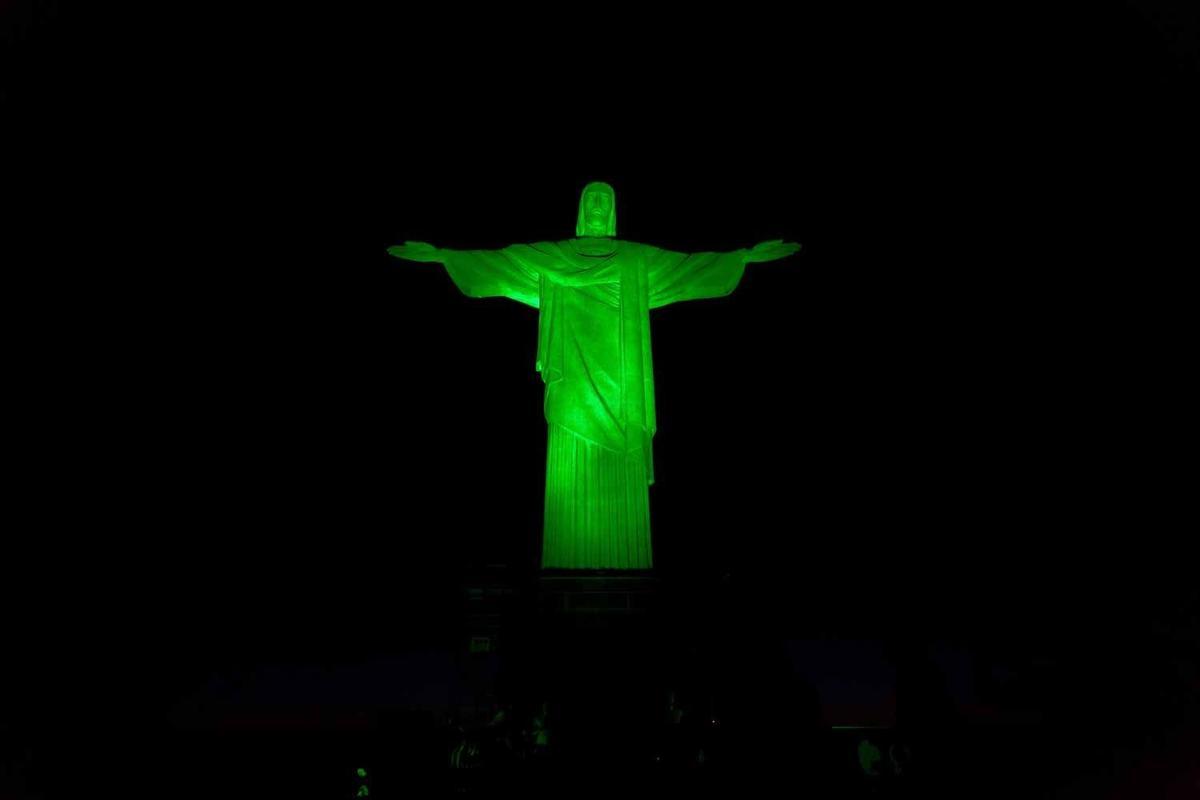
[{"x": 595, "y": 293}]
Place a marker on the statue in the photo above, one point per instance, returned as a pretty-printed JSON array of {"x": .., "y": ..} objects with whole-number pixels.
[{"x": 594, "y": 294}]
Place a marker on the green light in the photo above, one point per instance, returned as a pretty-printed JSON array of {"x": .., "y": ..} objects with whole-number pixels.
[
  {"x": 594, "y": 294},
  {"x": 859, "y": 728},
  {"x": 360, "y": 772},
  {"x": 868, "y": 756}
]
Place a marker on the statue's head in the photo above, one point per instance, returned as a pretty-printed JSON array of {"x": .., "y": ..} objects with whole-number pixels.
[{"x": 597, "y": 211}]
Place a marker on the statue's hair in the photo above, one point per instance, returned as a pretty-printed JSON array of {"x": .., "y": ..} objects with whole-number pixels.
[{"x": 597, "y": 186}]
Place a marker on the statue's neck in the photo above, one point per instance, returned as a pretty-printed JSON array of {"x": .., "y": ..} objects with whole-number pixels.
[{"x": 595, "y": 245}]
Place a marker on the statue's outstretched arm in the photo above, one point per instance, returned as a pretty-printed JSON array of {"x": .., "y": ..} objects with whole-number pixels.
[
  {"x": 480, "y": 273},
  {"x": 675, "y": 277}
]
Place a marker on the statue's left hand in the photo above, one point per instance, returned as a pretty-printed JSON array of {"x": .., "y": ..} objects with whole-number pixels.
[
  {"x": 415, "y": 251},
  {"x": 771, "y": 251}
]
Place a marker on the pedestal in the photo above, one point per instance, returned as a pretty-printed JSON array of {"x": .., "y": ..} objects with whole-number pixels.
[{"x": 597, "y": 596}]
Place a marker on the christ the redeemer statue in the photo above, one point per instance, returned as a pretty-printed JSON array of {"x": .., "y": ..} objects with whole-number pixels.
[{"x": 595, "y": 293}]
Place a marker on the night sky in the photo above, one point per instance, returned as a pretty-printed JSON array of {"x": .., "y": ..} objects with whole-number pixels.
[{"x": 255, "y": 437}]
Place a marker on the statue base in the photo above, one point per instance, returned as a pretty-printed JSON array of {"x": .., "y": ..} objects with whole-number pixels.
[{"x": 598, "y": 594}]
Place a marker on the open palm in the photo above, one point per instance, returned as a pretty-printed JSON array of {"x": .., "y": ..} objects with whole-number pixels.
[
  {"x": 772, "y": 250},
  {"x": 415, "y": 251}
]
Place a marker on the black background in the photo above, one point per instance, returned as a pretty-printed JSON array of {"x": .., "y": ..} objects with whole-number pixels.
[{"x": 249, "y": 435}]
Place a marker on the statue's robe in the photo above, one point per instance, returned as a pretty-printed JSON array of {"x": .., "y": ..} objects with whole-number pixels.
[{"x": 594, "y": 297}]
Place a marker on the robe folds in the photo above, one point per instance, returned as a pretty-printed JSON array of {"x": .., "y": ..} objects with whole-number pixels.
[{"x": 594, "y": 297}]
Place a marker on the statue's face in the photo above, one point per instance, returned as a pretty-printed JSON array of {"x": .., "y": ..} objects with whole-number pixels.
[{"x": 596, "y": 208}]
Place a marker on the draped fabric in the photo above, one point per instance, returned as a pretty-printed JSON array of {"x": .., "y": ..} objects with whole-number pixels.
[
  {"x": 597, "y": 506},
  {"x": 594, "y": 297}
]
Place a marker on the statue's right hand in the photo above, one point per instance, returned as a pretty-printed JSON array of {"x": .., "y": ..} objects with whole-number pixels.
[{"x": 415, "y": 251}]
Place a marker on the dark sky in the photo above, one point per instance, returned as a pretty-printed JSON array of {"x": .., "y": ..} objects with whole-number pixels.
[{"x": 254, "y": 435}]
